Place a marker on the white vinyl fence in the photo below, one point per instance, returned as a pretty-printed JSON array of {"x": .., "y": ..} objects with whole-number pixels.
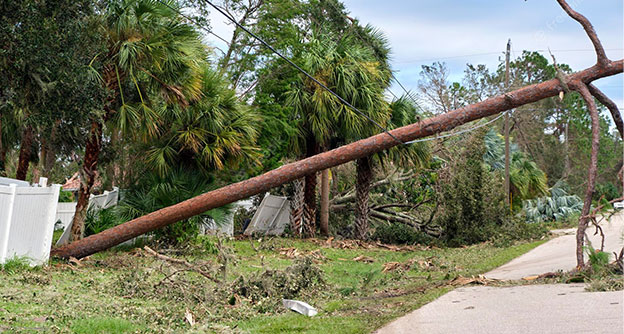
[
  {"x": 64, "y": 214},
  {"x": 66, "y": 211},
  {"x": 27, "y": 217}
]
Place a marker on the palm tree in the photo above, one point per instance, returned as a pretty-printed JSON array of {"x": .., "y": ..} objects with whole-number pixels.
[
  {"x": 352, "y": 72},
  {"x": 152, "y": 52},
  {"x": 527, "y": 180},
  {"x": 214, "y": 132}
]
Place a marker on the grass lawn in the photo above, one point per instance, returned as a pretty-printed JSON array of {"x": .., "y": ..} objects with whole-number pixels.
[{"x": 130, "y": 291}]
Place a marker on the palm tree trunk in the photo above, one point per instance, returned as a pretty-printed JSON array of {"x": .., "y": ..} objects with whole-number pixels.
[
  {"x": 296, "y": 207},
  {"x": 324, "y": 219},
  {"x": 309, "y": 197},
  {"x": 24, "y": 156},
  {"x": 364, "y": 170},
  {"x": 87, "y": 179}
]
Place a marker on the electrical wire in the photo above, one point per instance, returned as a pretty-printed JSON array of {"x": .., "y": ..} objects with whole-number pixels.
[
  {"x": 209, "y": 31},
  {"x": 407, "y": 93},
  {"x": 458, "y": 132},
  {"x": 270, "y": 47},
  {"x": 424, "y": 60}
]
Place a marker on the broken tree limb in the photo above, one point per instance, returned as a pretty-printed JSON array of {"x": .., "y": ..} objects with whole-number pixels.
[
  {"x": 287, "y": 173},
  {"x": 613, "y": 108},
  {"x": 589, "y": 29},
  {"x": 186, "y": 264},
  {"x": 593, "y": 170}
]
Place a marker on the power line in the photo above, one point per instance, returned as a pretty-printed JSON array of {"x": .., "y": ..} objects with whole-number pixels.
[
  {"x": 267, "y": 45},
  {"x": 209, "y": 31},
  {"x": 458, "y": 132},
  {"x": 424, "y": 60},
  {"x": 407, "y": 93}
]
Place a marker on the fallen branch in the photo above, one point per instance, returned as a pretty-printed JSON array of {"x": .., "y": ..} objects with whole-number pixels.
[
  {"x": 189, "y": 266},
  {"x": 589, "y": 29}
]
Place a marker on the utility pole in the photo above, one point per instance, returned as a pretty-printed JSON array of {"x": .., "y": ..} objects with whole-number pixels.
[{"x": 507, "y": 194}]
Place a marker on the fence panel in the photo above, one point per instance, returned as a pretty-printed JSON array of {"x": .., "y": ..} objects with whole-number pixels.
[
  {"x": 7, "y": 199},
  {"x": 65, "y": 213},
  {"x": 31, "y": 225}
]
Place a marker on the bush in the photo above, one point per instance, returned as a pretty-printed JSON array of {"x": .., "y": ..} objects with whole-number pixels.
[
  {"x": 518, "y": 229},
  {"x": 608, "y": 190},
  {"x": 65, "y": 196},
  {"x": 558, "y": 207},
  {"x": 392, "y": 233},
  {"x": 154, "y": 192},
  {"x": 472, "y": 205},
  {"x": 98, "y": 220}
]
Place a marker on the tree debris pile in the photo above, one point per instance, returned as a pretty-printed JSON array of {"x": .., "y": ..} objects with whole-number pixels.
[{"x": 268, "y": 289}]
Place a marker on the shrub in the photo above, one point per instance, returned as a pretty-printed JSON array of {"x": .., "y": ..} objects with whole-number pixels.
[
  {"x": 608, "y": 190},
  {"x": 98, "y": 220},
  {"x": 154, "y": 192},
  {"x": 393, "y": 233},
  {"x": 518, "y": 229},
  {"x": 66, "y": 196},
  {"x": 471, "y": 204},
  {"x": 559, "y": 206}
]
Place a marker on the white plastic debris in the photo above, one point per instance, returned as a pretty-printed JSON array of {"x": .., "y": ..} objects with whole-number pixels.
[
  {"x": 271, "y": 218},
  {"x": 300, "y": 307}
]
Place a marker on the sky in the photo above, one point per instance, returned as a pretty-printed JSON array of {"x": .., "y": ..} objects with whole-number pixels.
[{"x": 458, "y": 32}]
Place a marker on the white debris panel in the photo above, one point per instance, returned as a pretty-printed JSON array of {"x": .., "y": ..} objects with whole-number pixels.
[{"x": 271, "y": 218}]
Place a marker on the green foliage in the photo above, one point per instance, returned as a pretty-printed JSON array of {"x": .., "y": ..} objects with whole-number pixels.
[
  {"x": 98, "y": 220},
  {"x": 559, "y": 206},
  {"x": 154, "y": 192},
  {"x": 526, "y": 179},
  {"x": 466, "y": 199},
  {"x": 394, "y": 233},
  {"x": 267, "y": 289},
  {"x": 353, "y": 72},
  {"x": 598, "y": 260},
  {"x": 216, "y": 132},
  {"x": 66, "y": 196},
  {"x": 518, "y": 229},
  {"x": 608, "y": 190},
  {"x": 15, "y": 265}
]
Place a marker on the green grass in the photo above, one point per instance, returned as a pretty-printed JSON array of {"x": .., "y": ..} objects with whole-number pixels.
[
  {"x": 103, "y": 326},
  {"x": 123, "y": 291}
]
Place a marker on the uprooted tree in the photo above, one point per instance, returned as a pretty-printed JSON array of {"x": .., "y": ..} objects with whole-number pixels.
[{"x": 580, "y": 82}]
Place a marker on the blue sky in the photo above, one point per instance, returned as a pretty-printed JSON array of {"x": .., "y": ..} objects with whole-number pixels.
[{"x": 476, "y": 31}]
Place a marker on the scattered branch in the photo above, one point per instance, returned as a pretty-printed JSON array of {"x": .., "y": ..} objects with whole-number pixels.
[{"x": 184, "y": 263}]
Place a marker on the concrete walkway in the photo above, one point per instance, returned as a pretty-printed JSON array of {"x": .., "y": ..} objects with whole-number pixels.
[
  {"x": 554, "y": 308},
  {"x": 560, "y": 253}
]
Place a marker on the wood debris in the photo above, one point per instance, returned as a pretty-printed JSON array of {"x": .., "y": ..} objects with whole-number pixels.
[
  {"x": 460, "y": 280},
  {"x": 365, "y": 259}
]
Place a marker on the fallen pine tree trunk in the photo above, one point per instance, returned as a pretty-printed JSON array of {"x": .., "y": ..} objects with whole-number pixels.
[{"x": 362, "y": 148}]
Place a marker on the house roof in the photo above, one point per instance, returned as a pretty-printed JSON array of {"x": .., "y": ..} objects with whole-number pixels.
[{"x": 73, "y": 183}]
